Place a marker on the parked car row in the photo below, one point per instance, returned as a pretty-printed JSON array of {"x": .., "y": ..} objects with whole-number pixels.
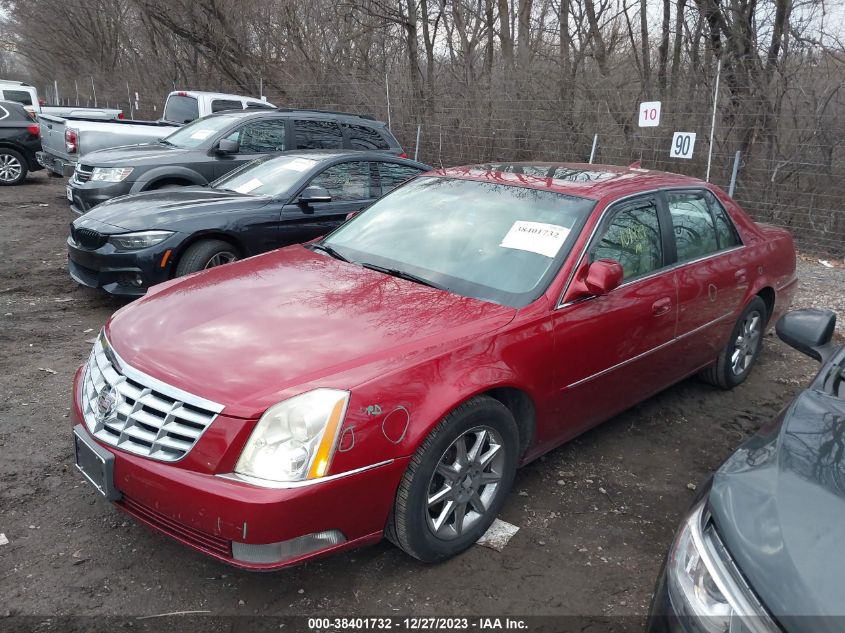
[{"x": 399, "y": 340}]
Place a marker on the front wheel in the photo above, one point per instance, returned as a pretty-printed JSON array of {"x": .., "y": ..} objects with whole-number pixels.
[
  {"x": 457, "y": 481},
  {"x": 205, "y": 254},
  {"x": 735, "y": 361},
  {"x": 12, "y": 167}
]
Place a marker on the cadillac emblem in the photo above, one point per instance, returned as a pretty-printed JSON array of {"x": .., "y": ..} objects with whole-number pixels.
[{"x": 106, "y": 403}]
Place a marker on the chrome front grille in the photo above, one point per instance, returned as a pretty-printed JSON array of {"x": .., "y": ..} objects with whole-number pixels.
[
  {"x": 82, "y": 173},
  {"x": 137, "y": 413}
]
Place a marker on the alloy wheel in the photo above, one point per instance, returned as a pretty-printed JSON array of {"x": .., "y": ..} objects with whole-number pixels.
[
  {"x": 224, "y": 257},
  {"x": 465, "y": 482},
  {"x": 746, "y": 342},
  {"x": 10, "y": 168}
]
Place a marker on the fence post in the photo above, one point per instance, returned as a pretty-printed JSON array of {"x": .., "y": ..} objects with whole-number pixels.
[
  {"x": 387, "y": 91},
  {"x": 76, "y": 87},
  {"x": 713, "y": 120},
  {"x": 94, "y": 91},
  {"x": 593, "y": 151},
  {"x": 129, "y": 97},
  {"x": 737, "y": 159},
  {"x": 417, "y": 146}
]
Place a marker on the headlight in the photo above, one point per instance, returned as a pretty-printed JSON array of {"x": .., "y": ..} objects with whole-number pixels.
[
  {"x": 142, "y": 239},
  {"x": 110, "y": 174},
  {"x": 295, "y": 439},
  {"x": 703, "y": 589}
]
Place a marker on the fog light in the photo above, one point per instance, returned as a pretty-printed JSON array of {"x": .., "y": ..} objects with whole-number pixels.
[{"x": 286, "y": 550}]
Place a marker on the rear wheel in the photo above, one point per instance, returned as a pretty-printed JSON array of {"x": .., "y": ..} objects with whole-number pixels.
[
  {"x": 205, "y": 254},
  {"x": 456, "y": 482},
  {"x": 738, "y": 357},
  {"x": 12, "y": 167}
]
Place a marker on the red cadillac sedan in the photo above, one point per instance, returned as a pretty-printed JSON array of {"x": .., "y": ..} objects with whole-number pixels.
[{"x": 389, "y": 379}]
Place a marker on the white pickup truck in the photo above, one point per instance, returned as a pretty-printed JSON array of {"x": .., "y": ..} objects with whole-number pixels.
[
  {"x": 27, "y": 96},
  {"x": 64, "y": 139}
]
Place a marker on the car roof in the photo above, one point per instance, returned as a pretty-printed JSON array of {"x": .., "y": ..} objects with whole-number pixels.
[
  {"x": 214, "y": 95},
  {"x": 325, "y": 155},
  {"x": 576, "y": 179},
  {"x": 288, "y": 112}
]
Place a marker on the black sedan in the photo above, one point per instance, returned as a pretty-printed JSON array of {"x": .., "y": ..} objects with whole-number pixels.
[
  {"x": 132, "y": 242},
  {"x": 19, "y": 141},
  {"x": 762, "y": 548}
]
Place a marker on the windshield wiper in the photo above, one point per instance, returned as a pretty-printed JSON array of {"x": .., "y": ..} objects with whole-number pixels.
[
  {"x": 165, "y": 142},
  {"x": 395, "y": 272},
  {"x": 328, "y": 250}
]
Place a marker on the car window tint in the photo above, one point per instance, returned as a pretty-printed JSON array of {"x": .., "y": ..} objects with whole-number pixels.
[
  {"x": 181, "y": 109},
  {"x": 365, "y": 137},
  {"x": 692, "y": 225},
  {"x": 220, "y": 105},
  {"x": 632, "y": 238},
  {"x": 21, "y": 96},
  {"x": 392, "y": 175},
  {"x": 261, "y": 137},
  {"x": 346, "y": 181},
  {"x": 316, "y": 134},
  {"x": 725, "y": 229}
]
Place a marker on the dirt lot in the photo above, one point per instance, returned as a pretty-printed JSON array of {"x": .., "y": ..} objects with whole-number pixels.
[{"x": 595, "y": 516}]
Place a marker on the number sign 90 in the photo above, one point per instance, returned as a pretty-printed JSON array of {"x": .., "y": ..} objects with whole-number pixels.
[{"x": 683, "y": 144}]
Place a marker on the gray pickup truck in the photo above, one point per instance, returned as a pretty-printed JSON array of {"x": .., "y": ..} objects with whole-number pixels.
[{"x": 64, "y": 139}]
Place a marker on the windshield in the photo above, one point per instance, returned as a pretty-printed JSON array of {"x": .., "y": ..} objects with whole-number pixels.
[
  {"x": 486, "y": 240},
  {"x": 198, "y": 132},
  {"x": 267, "y": 176}
]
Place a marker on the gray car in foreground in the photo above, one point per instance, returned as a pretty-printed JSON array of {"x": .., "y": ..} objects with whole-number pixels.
[
  {"x": 762, "y": 548},
  {"x": 213, "y": 146}
]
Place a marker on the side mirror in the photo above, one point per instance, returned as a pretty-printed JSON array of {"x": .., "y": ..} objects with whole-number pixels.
[
  {"x": 227, "y": 146},
  {"x": 603, "y": 276},
  {"x": 314, "y": 193},
  {"x": 809, "y": 331}
]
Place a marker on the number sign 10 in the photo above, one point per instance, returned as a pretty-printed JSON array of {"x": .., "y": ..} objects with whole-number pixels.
[
  {"x": 683, "y": 143},
  {"x": 649, "y": 114}
]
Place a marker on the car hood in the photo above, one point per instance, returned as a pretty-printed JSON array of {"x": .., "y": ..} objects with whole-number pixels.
[
  {"x": 136, "y": 155},
  {"x": 250, "y": 334},
  {"x": 166, "y": 208},
  {"x": 779, "y": 506}
]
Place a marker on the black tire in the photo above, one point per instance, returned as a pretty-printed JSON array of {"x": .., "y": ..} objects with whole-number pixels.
[
  {"x": 13, "y": 167},
  {"x": 200, "y": 255},
  {"x": 723, "y": 373},
  {"x": 409, "y": 526}
]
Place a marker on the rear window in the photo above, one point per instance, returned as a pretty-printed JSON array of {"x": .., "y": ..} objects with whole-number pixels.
[
  {"x": 317, "y": 134},
  {"x": 21, "y": 96},
  {"x": 221, "y": 105},
  {"x": 363, "y": 137},
  {"x": 181, "y": 109}
]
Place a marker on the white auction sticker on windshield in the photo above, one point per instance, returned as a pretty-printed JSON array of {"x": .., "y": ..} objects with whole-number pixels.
[
  {"x": 535, "y": 237},
  {"x": 249, "y": 185},
  {"x": 201, "y": 135},
  {"x": 299, "y": 164}
]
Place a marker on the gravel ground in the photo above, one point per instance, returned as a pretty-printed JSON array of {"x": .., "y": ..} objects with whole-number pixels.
[{"x": 595, "y": 516}]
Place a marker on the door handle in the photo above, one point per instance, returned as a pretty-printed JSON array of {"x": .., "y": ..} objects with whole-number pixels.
[{"x": 661, "y": 306}]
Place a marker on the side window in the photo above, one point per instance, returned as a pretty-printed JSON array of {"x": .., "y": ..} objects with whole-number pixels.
[
  {"x": 725, "y": 229},
  {"x": 692, "y": 225},
  {"x": 21, "y": 96},
  {"x": 261, "y": 137},
  {"x": 632, "y": 238},
  {"x": 363, "y": 137},
  {"x": 316, "y": 134},
  {"x": 346, "y": 181},
  {"x": 392, "y": 175},
  {"x": 221, "y": 105}
]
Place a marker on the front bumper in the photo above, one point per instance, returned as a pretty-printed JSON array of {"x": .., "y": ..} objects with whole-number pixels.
[
  {"x": 208, "y": 512},
  {"x": 87, "y": 195},
  {"x": 126, "y": 274}
]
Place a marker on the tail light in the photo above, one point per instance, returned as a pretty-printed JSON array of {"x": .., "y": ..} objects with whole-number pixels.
[
  {"x": 71, "y": 141},
  {"x": 41, "y": 102},
  {"x": 120, "y": 115},
  {"x": 403, "y": 155},
  {"x": 33, "y": 129}
]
